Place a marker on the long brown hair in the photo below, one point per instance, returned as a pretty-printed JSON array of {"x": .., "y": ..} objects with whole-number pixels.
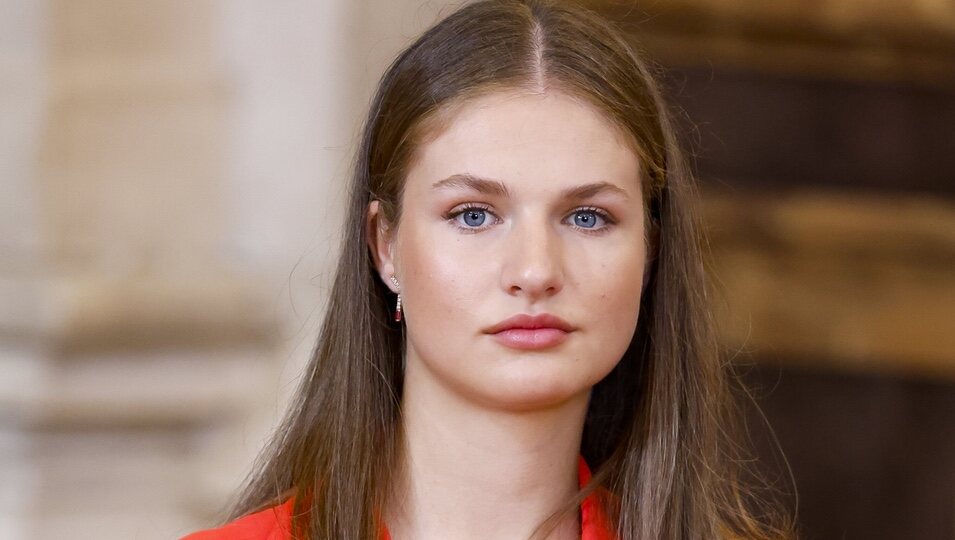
[{"x": 657, "y": 429}]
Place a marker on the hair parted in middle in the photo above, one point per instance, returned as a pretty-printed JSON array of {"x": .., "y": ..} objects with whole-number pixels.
[{"x": 658, "y": 432}]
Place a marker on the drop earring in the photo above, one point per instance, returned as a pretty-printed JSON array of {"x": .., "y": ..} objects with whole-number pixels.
[{"x": 398, "y": 306}]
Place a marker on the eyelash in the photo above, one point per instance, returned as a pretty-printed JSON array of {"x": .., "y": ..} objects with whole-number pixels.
[{"x": 452, "y": 216}]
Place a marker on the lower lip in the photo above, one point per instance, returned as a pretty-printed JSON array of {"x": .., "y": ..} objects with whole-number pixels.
[{"x": 527, "y": 339}]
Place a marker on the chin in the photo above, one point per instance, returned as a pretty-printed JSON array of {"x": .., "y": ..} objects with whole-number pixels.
[{"x": 535, "y": 389}]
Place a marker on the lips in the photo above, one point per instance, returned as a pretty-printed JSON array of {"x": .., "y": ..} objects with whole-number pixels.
[{"x": 531, "y": 331}]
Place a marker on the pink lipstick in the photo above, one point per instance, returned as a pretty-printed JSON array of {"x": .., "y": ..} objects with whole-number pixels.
[{"x": 531, "y": 332}]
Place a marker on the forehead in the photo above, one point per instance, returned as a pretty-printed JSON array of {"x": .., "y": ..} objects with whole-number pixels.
[{"x": 539, "y": 140}]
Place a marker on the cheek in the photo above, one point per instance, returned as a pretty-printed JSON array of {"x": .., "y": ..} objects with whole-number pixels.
[
  {"x": 444, "y": 281},
  {"x": 615, "y": 284}
]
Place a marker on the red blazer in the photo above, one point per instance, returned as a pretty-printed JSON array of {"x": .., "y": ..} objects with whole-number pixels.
[{"x": 275, "y": 523}]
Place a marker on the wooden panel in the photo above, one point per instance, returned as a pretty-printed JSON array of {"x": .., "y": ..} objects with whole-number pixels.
[
  {"x": 763, "y": 131},
  {"x": 873, "y": 457},
  {"x": 847, "y": 282},
  {"x": 892, "y": 39}
]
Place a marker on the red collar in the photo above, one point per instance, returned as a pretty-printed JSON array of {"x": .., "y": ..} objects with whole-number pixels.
[
  {"x": 594, "y": 524},
  {"x": 275, "y": 523}
]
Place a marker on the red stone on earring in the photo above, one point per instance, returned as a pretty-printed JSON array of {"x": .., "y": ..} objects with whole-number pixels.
[{"x": 398, "y": 310}]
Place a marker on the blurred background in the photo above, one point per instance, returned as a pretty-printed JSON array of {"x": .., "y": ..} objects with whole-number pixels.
[{"x": 171, "y": 193}]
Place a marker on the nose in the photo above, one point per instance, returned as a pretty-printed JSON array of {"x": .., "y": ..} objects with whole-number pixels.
[{"x": 533, "y": 262}]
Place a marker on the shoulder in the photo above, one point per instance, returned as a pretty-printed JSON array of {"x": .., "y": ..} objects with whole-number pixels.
[{"x": 273, "y": 523}]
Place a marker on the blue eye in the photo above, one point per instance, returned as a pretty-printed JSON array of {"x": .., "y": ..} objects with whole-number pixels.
[
  {"x": 592, "y": 220},
  {"x": 586, "y": 219},
  {"x": 474, "y": 217},
  {"x": 471, "y": 218}
]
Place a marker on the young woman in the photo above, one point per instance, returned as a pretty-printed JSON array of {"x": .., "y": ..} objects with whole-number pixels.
[{"x": 517, "y": 343}]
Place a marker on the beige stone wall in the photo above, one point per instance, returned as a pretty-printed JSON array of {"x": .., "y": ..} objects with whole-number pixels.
[{"x": 170, "y": 204}]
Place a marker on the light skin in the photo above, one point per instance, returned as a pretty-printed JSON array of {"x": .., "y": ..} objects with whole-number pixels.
[{"x": 553, "y": 224}]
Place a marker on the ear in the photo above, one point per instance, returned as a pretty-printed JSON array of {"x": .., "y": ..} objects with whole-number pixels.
[{"x": 381, "y": 243}]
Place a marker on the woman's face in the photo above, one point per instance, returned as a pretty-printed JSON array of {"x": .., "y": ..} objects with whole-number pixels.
[{"x": 525, "y": 204}]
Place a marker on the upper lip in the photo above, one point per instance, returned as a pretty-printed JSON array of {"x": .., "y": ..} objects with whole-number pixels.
[{"x": 531, "y": 322}]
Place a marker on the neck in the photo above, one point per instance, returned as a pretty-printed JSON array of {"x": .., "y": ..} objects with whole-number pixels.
[{"x": 466, "y": 471}]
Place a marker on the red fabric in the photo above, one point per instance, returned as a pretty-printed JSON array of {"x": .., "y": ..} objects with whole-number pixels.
[{"x": 275, "y": 523}]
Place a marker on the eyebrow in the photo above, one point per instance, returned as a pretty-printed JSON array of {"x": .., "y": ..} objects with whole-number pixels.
[
  {"x": 495, "y": 187},
  {"x": 481, "y": 185}
]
